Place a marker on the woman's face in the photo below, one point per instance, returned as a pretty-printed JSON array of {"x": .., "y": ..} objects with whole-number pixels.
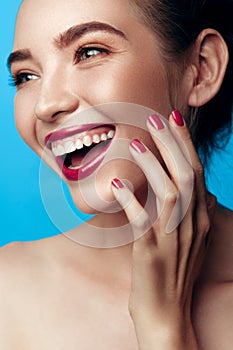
[{"x": 72, "y": 55}]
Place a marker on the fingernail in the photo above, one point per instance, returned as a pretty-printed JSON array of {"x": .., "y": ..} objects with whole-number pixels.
[
  {"x": 156, "y": 122},
  {"x": 178, "y": 118},
  {"x": 117, "y": 184},
  {"x": 138, "y": 146}
]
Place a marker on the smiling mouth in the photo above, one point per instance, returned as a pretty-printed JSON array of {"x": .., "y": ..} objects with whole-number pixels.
[{"x": 80, "y": 154}]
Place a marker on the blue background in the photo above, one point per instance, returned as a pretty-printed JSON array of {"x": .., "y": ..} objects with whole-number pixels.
[{"x": 22, "y": 213}]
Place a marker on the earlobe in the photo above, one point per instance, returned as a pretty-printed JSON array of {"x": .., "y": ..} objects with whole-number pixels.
[{"x": 210, "y": 67}]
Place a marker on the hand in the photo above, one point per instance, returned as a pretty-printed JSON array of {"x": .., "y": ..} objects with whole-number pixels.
[{"x": 168, "y": 256}]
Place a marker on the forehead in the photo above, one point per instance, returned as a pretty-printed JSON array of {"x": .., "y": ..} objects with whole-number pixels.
[{"x": 46, "y": 18}]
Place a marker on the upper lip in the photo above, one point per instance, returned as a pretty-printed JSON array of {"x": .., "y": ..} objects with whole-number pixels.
[{"x": 70, "y": 131}]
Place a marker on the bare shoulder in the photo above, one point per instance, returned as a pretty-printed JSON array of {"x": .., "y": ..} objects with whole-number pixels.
[
  {"x": 18, "y": 264},
  {"x": 13, "y": 260},
  {"x": 27, "y": 266},
  {"x": 12, "y": 256},
  {"x": 24, "y": 262},
  {"x": 23, "y": 267},
  {"x": 24, "y": 272}
]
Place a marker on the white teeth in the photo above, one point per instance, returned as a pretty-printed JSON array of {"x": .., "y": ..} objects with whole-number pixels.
[
  {"x": 78, "y": 144},
  {"x": 96, "y": 138},
  {"x": 87, "y": 140},
  {"x": 110, "y": 134},
  {"x": 70, "y": 144},
  {"x": 103, "y": 137},
  {"x": 69, "y": 147},
  {"x": 60, "y": 150},
  {"x": 54, "y": 149}
]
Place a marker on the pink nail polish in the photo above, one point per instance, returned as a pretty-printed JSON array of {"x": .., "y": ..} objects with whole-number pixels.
[
  {"x": 117, "y": 184},
  {"x": 138, "y": 146},
  {"x": 156, "y": 122},
  {"x": 177, "y": 118}
]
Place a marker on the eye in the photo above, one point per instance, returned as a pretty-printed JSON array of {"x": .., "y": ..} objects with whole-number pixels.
[
  {"x": 87, "y": 53},
  {"x": 22, "y": 78}
]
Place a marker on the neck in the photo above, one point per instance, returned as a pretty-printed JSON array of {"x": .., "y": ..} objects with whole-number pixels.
[{"x": 218, "y": 263}]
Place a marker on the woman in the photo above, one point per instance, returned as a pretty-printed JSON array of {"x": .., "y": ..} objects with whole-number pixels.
[{"x": 83, "y": 70}]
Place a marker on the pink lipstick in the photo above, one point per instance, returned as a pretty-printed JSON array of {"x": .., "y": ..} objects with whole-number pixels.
[{"x": 79, "y": 150}]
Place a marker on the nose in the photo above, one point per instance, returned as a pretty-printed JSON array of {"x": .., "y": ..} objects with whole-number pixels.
[{"x": 56, "y": 98}]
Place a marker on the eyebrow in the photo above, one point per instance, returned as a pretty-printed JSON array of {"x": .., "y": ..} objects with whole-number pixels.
[
  {"x": 19, "y": 55},
  {"x": 76, "y": 32},
  {"x": 67, "y": 38}
]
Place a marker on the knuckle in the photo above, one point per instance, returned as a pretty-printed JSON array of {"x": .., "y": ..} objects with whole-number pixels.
[
  {"x": 206, "y": 228},
  {"x": 199, "y": 171},
  {"x": 171, "y": 196},
  {"x": 187, "y": 177},
  {"x": 186, "y": 134},
  {"x": 204, "y": 225},
  {"x": 142, "y": 221}
]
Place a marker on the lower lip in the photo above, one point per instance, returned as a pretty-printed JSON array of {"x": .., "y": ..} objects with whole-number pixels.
[{"x": 85, "y": 170}]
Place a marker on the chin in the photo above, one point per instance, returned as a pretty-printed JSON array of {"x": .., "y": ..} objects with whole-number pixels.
[
  {"x": 94, "y": 200},
  {"x": 94, "y": 194}
]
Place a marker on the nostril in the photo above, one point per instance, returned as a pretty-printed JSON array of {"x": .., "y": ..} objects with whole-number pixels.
[
  {"x": 56, "y": 114},
  {"x": 50, "y": 114},
  {"x": 53, "y": 104}
]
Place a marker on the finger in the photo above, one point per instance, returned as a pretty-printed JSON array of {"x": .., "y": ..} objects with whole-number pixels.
[
  {"x": 182, "y": 135},
  {"x": 211, "y": 204},
  {"x": 151, "y": 167},
  {"x": 147, "y": 236},
  {"x": 202, "y": 211},
  {"x": 176, "y": 162},
  {"x": 164, "y": 189},
  {"x": 183, "y": 138},
  {"x": 136, "y": 214},
  {"x": 179, "y": 168},
  {"x": 149, "y": 255}
]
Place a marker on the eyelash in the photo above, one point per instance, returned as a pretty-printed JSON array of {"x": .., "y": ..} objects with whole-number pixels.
[
  {"x": 17, "y": 79},
  {"x": 84, "y": 50}
]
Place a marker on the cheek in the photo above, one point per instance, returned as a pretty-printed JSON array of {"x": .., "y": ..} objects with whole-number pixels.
[
  {"x": 132, "y": 82},
  {"x": 25, "y": 120},
  {"x": 95, "y": 194},
  {"x": 123, "y": 165}
]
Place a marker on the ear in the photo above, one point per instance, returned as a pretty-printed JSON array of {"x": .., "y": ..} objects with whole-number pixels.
[{"x": 209, "y": 68}]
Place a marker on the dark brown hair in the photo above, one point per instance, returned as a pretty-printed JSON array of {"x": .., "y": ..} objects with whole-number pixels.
[{"x": 178, "y": 23}]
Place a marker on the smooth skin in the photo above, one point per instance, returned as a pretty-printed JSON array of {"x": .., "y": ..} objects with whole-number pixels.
[{"x": 57, "y": 294}]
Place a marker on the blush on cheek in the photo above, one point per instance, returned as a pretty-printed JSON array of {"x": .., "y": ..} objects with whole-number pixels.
[{"x": 129, "y": 86}]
